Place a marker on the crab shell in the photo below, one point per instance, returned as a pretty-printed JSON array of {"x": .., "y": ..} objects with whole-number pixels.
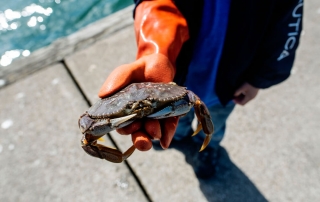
[{"x": 137, "y": 99}]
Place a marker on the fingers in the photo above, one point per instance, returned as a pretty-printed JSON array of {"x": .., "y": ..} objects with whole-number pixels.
[
  {"x": 152, "y": 127},
  {"x": 245, "y": 93},
  {"x": 163, "y": 130},
  {"x": 168, "y": 128},
  {"x": 241, "y": 99},
  {"x": 141, "y": 141},
  {"x": 239, "y": 95},
  {"x": 131, "y": 128},
  {"x": 240, "y": 91}
]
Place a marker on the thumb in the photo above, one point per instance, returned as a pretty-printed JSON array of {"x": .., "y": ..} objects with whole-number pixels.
[
  {"x": 121, "y": 77},
  {"x": 239, "y": 91},
  {"x": 150, "y": 68}
]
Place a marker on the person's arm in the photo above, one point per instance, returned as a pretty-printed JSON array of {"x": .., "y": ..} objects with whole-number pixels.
[
  {"x": 276, "y": 54},
  {"x": 160, "y": 31},
  {"x": 275, "y": 57}
]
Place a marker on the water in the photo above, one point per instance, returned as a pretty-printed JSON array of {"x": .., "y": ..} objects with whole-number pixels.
[{"x": 27, "y": 25}]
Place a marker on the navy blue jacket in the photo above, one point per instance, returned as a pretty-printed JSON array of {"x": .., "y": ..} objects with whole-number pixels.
[{"x": 261, "y": 40}]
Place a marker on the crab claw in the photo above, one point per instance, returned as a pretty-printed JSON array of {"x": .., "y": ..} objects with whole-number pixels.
[
  {"x": 207, "y": 138},
  {"x": 206, "y": 124},
  {"x": 204, "y": 118},
  {"x": 102, "y": 126}
]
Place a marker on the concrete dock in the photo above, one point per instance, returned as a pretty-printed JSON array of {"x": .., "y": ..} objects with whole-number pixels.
[{"x": 271, "y": 151}]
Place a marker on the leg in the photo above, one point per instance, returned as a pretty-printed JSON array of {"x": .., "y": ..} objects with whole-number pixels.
[
  {"x": 204, "y": 163},
  {"x": 91, "y": 147},
  {"x": 219, "y": 115}
]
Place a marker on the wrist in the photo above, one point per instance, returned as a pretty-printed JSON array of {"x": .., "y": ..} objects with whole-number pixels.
[{"x": 160, "y": 28}]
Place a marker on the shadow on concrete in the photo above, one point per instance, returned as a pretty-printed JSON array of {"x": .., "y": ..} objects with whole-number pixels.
[{"x": 229, "y": 182}]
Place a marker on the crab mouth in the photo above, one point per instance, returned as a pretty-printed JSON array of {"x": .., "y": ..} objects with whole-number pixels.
[
  {"x": 85, "y": 122},
  {"x": 84, "y": 141}
]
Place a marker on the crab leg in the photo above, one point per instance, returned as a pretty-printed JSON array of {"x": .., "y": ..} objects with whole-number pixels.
[
  {"x": 114, "y": 155},
  {"x": 177, "y": 108},
  {"x": 204, "y": 118},
  {"x": 199, "y": 128},
  {"x": 100, "y": 151}
]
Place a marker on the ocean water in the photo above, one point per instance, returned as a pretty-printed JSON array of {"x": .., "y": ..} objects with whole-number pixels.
[{"x": 27, "y": 25}]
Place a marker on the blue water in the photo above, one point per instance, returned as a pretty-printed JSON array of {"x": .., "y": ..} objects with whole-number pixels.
[{"x": 27, "y": 25}]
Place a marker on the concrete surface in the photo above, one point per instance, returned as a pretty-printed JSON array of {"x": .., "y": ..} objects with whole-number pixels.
[
  {"x": 40, "y": 154},
  {"x": 271, "y": 150},
  {"x": 272, "y": 142},
  {"x": 90, "y": 68},
  {"x": 275, "y": 139}
]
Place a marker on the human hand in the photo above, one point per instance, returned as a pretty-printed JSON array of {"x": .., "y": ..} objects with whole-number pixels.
[
  {"x": 245, "y": 93},
  {"x": 150, "y": 68},
  {"x": 161, "y": 30}
]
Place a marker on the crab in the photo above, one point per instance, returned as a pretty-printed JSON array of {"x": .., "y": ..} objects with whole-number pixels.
[{"x": 137, "y": 101}]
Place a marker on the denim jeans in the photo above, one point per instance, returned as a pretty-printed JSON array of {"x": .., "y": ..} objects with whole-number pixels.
[{"x": 219, "y": 115}]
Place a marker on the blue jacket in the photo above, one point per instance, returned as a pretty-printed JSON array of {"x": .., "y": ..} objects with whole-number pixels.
[{"x": 260, "y": 43}]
